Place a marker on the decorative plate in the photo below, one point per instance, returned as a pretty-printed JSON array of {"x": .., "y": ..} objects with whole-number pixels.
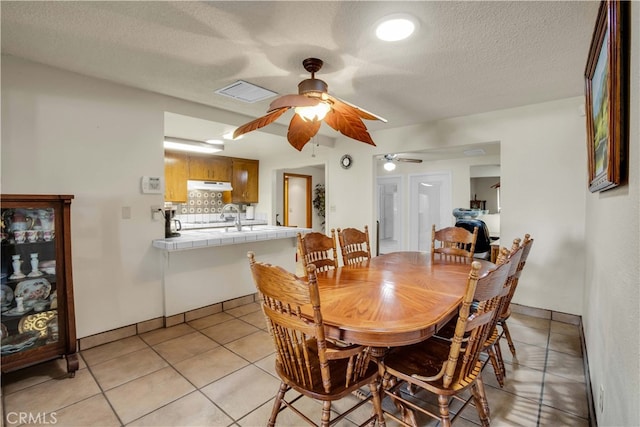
[
  {"x": 37, "y": 322},
  {"x": 19, "y": 342},
  {"x": 33, "y": 289},
  {"x": 3, "y": 331},
  {"x": 6, "y": 295},
  {"x": 15, "y": 313}
]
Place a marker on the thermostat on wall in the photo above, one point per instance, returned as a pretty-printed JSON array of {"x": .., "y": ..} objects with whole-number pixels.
[{"x": 152, "y": 185}]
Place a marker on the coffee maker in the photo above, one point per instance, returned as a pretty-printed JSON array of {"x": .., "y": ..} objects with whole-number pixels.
[{"x": 171, "y": 224}]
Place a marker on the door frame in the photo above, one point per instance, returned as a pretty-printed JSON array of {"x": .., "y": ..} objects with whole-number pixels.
[{"x": 285, "y": 181}]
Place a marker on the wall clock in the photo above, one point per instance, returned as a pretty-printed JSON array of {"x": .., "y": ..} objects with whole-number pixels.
[{"x": 346, "y": 161}]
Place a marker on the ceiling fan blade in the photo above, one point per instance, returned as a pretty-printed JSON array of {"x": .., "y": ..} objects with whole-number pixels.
[
  {"x": 301, "y": 131},
  {"x": 346, "y": 120},
  {"x": 360, "y": 111},
  {"x": 293, "y": 101},
  {"x": 259, "y": 122},
  {"x": 402, "y": 159}
]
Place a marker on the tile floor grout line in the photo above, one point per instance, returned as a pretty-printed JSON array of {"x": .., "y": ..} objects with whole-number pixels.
[
  {"x": 544, "y": 373},
  {"x": 102, "y": 391}
]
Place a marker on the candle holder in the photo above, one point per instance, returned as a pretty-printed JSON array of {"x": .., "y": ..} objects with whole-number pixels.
[
  {"x": 34, "y": 266},
  {"x": 17, "y": 264}
]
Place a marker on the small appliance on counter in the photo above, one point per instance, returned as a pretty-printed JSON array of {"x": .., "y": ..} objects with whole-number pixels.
[
  {"x": 250, "y": 212},
  {"x": 171, "y": 224}
]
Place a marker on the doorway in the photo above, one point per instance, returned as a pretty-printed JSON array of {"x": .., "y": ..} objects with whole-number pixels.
[
  {"x": 429, "y": 203},
  {"x": 297, "y": 200},
  {"x": 389, "y": 214}
]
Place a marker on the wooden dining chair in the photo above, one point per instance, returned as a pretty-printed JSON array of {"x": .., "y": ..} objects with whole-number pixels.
[
  {"x": 448, "y": 368},
  {"x": 305, "y": 361},
  {"x": 492, "y": 344},
  {"x": 354, "y": 245},
  {"x": 318, "y": 249},
  {"x": 505, "y": 313},
  {"x": 453, "y": 242}
]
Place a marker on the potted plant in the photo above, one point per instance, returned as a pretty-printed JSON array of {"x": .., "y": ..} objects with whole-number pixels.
[{"x": 318, "y": 201}]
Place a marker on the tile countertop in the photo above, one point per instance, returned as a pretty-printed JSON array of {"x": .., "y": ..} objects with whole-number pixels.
[
  {"x": 208, "y": 237},
  {"x": 220, "y": 224}
]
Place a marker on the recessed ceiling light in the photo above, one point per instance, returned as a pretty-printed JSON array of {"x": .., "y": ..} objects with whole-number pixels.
[{"x": 395, "y": 27}]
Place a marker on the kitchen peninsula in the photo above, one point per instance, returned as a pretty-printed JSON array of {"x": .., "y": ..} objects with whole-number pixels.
[{"x": 207, "y": 266}]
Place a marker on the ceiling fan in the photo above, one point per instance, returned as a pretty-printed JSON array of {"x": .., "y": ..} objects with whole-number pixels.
[
  {"x": 389, "y": 160},
  {"x": 313, "y": 104}
]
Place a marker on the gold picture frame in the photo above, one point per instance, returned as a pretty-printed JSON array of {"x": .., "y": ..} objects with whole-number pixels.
[{"x": 607, "y": 96}]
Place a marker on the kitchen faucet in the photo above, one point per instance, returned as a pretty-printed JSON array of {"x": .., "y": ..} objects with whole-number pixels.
[{"x": 237, "y": 222}]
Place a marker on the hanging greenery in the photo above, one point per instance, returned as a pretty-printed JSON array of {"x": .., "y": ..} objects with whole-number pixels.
[{"x": 318, "y": 201}]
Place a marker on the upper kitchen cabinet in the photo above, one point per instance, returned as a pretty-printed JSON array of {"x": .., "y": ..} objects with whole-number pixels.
[
  {"x": 176, "y": 173},
  {"x": 245, "y": 181},
  {"x": 210, "y": 168}
]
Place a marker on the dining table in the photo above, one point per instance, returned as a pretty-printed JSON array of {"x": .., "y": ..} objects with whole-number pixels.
[{"x": 394, "y": 299}]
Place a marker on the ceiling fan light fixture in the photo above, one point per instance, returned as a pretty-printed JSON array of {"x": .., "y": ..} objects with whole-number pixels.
[
  {"x": 395, "y": 28},
  {"x": 389, "y": 166},
  {"x": 317, "y": 112}
]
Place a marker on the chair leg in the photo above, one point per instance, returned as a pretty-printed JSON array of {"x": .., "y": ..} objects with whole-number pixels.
[
  {"x": 276, "y": 404},
  {"x": 508, "y": 335},
  {"x": 377, "y": 402},
  {"x": 480, "y": 400},
  {"x": 496, "y": 362},
  {"x": 503, "y": 370},
  {"x": 326, "y": 413},
  {"x": 443, "y": 403}
]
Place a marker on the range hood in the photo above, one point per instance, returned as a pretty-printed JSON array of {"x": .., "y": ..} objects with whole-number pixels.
[{"x": 209, "y": 185}]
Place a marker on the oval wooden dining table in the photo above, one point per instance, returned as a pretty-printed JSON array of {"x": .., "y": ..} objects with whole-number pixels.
[{"x": 394, "y": 299}]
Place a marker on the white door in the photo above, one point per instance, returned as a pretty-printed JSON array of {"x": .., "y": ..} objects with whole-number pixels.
[
  {"x": 297, "y": 202},
  {"x": 390, "y": 214},
  {"x": 429, "y": 203}
]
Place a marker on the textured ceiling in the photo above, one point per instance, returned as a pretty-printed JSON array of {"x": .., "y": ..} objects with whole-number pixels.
[{"x": 465, "y": 57}]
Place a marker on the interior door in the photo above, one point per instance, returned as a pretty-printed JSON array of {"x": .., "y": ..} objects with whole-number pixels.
[
  {"x": 389, "y": 214},
  {"x": 297, "y": 200},
  {"x": 429, "y": 203}
]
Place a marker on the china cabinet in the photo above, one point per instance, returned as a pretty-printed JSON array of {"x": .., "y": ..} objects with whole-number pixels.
[
  {"x": 244, "y": 181},
  {"x": 38, "y": 319}
]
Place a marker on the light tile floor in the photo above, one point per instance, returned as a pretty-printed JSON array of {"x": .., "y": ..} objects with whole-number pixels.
[{"x": 218, "y": 371}]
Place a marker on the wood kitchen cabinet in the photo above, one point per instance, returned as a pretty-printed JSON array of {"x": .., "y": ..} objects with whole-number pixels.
[
  {"x": 38, "y": 317},
  {"x": 210, "y": 168},
  {"x": 244, "y": 181},
  {"x": 176, "y": 173}
]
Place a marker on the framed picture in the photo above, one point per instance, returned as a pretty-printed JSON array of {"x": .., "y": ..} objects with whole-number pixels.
[{"x": 607, "y": 96}]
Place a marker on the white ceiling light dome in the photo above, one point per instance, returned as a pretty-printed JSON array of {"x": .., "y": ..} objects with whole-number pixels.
[
  {"x": 396, "y": 27},
  {"x": 389, "y": 166}
]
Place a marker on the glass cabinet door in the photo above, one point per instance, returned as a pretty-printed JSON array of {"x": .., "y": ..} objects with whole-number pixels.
[{"x": 37, "y": 322}]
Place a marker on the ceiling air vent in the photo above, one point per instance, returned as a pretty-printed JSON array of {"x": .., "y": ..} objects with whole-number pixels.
[{"x": 246, "y": 92}]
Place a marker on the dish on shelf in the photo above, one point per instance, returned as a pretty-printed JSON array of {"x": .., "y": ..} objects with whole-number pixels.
[
  {"x": 14, "y": 312},
  {"x": 3, "y": 331},
  {"x": 6, "y": 295},
  {"x": 18, "y": 342},
  {"x": 37, "y": 322},
  {"x": 33, "y": 289}
]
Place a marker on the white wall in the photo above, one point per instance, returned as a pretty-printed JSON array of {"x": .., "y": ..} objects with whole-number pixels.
[{"x": 612, "y": 289}]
